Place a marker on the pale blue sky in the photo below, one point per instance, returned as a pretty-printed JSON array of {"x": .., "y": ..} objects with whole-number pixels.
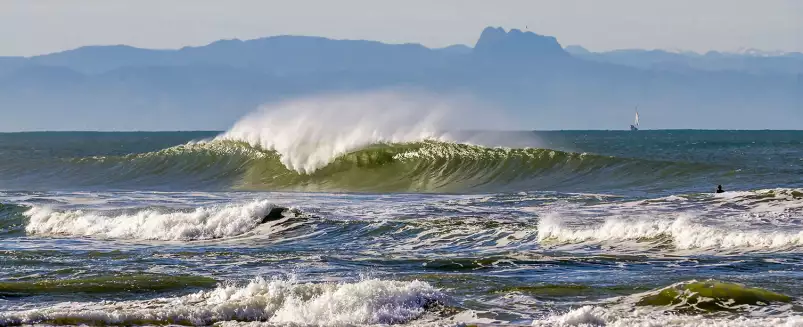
[{"x": 29, "y": 27}]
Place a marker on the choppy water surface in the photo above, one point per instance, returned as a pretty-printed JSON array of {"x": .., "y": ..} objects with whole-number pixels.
[{"x": 572, "y": 229}]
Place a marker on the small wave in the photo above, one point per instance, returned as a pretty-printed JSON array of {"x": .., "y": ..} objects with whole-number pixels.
[
  {"x": 682, "y": 304},
  {"x": 779, "y": 201},
  {"x": 596, "y": 316},
  {"x": 150, "y": 224},
  {"x": 371, "y": 301},
  {"x": 681, "y": 232},
  {"x": 104, "y": 284},
  {"x": 711, "y": 296},
  {"x": 566, "y": 290},
  {"x": 11, "y": 218}
]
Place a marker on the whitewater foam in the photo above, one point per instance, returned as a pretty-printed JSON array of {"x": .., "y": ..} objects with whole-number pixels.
[
  {"x": 664, "y": 307},
  {"x": 595, "y": 316},
  {"x": 371, "y": 301},
  {"x": 150, "y": 224},
  {"x": 683, "y": 232}
]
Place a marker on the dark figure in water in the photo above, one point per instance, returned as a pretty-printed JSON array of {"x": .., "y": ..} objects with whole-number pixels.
[
  {"x": 274, "y": 214},
  {"x": 719, "y": 189},
  {"x": 277, "y": 213}
]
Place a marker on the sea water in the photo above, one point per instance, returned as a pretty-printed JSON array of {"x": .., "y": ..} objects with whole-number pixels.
[{"x": 400, "y": 225}]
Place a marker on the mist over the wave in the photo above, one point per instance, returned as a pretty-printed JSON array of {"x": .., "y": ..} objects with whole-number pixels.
[{"x": 310, "y": 132}]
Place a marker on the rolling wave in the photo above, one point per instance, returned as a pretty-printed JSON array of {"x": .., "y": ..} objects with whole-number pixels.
[
  {"x": 378, "y": 142},
  {"x": 387, "y": 302},
  {"x": 12, "y": 221},
  {"x": 684, "y": 304},
  {"x": 425, "y": 166},
  {"x": 201, "y": 223},
  {"x": 370, "y": 301},
  {"x": 121, "y": 282},
  {"x": 710, "y": 295},
  {"x": 645, "y": 226},
  {"x": 680, "y": 233}
]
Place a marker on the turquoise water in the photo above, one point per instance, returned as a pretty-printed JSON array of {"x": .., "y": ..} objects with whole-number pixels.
[{"x": 575, "y": 227}]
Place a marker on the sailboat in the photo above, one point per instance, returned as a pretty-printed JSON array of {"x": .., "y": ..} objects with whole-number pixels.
[{"x": 634, "y": 127}]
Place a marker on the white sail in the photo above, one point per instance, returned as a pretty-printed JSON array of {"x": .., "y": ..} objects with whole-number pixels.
[{"x": 634, "y": 127}]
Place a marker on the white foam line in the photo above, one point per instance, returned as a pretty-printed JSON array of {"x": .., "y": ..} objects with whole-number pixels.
[
  {"x": 684, "y": 234},
  {"x": 371, "y": 301},
  {"x": 148, "y": 224}
]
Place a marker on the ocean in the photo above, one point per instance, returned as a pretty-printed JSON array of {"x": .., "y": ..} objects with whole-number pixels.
[{"x": 564, "y": 228}]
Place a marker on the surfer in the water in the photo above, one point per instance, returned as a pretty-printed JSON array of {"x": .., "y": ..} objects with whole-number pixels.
[
  {"x": 275, "y": 213},
  {"x": 719, "y": 189},
  {"x": 278, "y": 213}
]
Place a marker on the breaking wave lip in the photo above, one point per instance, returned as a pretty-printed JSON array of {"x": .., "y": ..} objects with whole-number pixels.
[
  {"x": 310, "y": 133},
  {"x": 277, "y": 301},
  {"x": 681, "y": 232},
  {"x": 201, "y": 223},
  {"x": 425, "y": 166},
  {"x": 368, "y": 142}
]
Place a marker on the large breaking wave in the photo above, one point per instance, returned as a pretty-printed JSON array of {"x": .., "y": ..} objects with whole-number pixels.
[
  {"x": 382, "y": 142},
  {"x": 421, "y": 166}
]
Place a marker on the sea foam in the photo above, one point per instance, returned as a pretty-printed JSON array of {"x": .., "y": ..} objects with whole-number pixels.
[
  {"x": 150, "y": 224},
  {"x": 286, "y": 302},
  {"x": 683, "y": 232}
]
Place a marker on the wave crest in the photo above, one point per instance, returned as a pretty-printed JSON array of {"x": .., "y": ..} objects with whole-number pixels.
[
  {"x": 310, "y": 133},
  {"x": 150, "y": 224},
  {"x": 711, "y": 296},
  {"x": 371, "y": 301},
  {"x": 681, "y": 233}
]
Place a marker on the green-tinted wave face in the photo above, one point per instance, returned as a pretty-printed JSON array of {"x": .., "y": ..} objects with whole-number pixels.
[
  {"x": 12, "y": 222},
  {"x": 105, "y": 284},
  {"x": 450, "y": 167},
  {"x": 412, "y": 167},
  {"x": 667, "y": 162},
  {"x": 427, "y": 166},
  {"x": 711, "y": 296},
  {"x": 571, "y": 290}
]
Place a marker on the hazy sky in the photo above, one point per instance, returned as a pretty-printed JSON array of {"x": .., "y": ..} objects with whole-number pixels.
[{"x": 29, "y": 27}]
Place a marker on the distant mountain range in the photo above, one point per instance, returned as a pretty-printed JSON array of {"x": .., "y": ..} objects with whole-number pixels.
[
  {"x": 749, "y": 60},
  {"x": 524, "y": 75}
]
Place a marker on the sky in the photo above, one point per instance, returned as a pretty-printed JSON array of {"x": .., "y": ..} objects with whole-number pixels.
[{"x": 31, "y": 27}]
